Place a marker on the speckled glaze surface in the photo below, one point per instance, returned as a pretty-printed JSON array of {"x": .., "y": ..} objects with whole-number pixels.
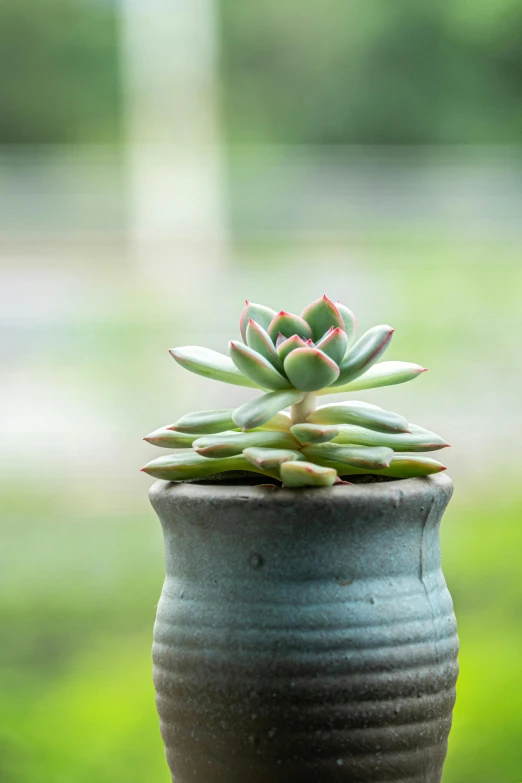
[{"x": 304, "y": 636}]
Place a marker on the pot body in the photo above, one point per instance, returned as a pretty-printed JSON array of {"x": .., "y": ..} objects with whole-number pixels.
[{"x": 304, "y": 635}]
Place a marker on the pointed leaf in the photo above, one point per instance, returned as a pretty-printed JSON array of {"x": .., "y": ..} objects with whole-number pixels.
[
  {"x": 334, "y": 344},
  {"x": 260, "y": 410},
  {"x": 188, "y": 465},
  {"x": 310, "y": 369},
  {"x": 361, "y": 413},
  {"x": 409, "y": 466},
  {"x": 418, "y": 439},
  {"x": 382, "y": 374},
  {"x": 356, "y": 456},
  {"x": 258, "y": 313},
  {"x": 168, "y": 439},
  {"x": 258, "y": 340},
  {"x": 350, "y": 322},
  {"x": 256, "y": 367},
  {"x": 306, "y": 474},
  {"x": 289, "y": 344},
  {"x": 321, "y": 315},
  {"x": 402, "y": 466},
  {"x": 205, "y": 422},
  {"x": 288, "y": 324},
  {"x": 210, "y": 364},
  {"x": 210, "y": 422},
  {"x": 231, "y": 443},
  {"x": 364, "y": 353},
  {"x": 270, "y": 458}
]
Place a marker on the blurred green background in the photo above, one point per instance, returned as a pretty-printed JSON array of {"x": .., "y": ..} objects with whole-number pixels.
[{"x": 159, "y": 164}]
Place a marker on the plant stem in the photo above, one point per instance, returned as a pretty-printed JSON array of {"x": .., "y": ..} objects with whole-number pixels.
[{"x": 301, "y": 409}]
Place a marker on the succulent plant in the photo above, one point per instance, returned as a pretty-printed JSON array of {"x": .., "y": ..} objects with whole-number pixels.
[{"x": 294, "y": 359}]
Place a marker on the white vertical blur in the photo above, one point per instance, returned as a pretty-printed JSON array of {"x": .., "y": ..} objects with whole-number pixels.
[{"x": 176, "y": 191}]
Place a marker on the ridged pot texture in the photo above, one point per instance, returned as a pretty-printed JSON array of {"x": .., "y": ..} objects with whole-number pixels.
[{"x": 304, "y": 635}]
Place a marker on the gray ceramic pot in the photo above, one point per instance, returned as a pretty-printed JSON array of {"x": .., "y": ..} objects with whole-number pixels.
[{"x": 304, "y": 636}]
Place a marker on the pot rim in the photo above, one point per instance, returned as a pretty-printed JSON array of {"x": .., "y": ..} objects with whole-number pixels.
[{"x": 396, "y": 490}]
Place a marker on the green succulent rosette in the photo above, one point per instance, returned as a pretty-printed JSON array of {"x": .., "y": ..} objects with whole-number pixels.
[{"x": 294, "y": 359}]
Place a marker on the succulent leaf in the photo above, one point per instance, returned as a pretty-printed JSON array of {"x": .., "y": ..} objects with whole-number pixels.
[
  {"x": 350, "y": 322},
  {"x": 418, "y": 439},
  {"x": 210, "y": 422},
  {"x": 382, "y": 374},
  {"x": 364, "y": 353},
  {"x": 256, "y": 367},
  {"x": 260, "y": 410},
  {"x": 258, "y": 340},
  {"x": 307, "y": 434},
  {"x": 288, "y": 324},
  {"x": 182, "y": 466},
  {"x": 188, "y": 465},
  {"x": 228, "y": 444},
  {"x": 263, "y": 457},
  {"x": 210, "y": 364},
  {"x": 168, "y": 439},
  {"x": 409, "y": 466},
  {"x": 361, "y": 413},
  {"x": 289, "y": 344},
  {"x": 307, "y": 474},
  {"x": 321, "y": 315},
  {"x": 258, "y": 313},
  {"x": 334, "y": 344},
  {"x": 205, "y": 422},
  {"x": 374, "y": 458},
  {"x": 310, "y": 369},
  {"x": 401, "y": 466}
]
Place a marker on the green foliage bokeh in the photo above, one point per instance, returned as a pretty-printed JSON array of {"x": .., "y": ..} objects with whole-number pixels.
[
  {"x": 365, "y": 72},
  {"x": 373, "y": 72},
  {"x": 59, "y": 61}
]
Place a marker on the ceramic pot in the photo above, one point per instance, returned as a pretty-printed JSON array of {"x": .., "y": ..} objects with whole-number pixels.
[{"x": 304, "y": 635}]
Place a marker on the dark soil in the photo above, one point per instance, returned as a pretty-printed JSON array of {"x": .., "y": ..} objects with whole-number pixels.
[{"x": 244, "y": 478}]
